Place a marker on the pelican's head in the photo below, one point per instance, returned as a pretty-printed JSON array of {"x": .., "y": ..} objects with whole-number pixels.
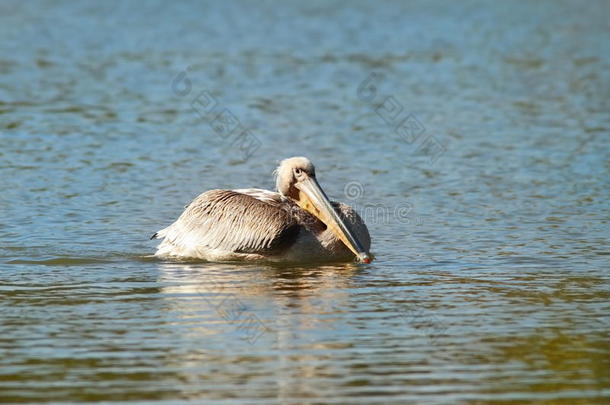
[{"x": 296, "y": 179}]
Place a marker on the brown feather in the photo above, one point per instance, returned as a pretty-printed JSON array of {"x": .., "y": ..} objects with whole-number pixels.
[{"x": 232, "y": 221}]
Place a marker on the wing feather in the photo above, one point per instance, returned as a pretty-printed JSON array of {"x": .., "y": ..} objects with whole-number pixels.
[{"x": 232, "y": 221}]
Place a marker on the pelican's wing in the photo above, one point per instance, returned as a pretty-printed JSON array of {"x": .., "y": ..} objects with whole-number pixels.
[{"x": 232, "y": 221}]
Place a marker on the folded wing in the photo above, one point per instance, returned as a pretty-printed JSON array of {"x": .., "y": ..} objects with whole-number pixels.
[{"x": 230, "y": 221}]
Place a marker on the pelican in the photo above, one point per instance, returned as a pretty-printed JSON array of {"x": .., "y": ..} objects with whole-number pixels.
[{"x": 298, "y": 223}]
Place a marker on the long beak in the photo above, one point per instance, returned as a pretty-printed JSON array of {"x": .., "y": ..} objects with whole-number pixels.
[{"x": 313, "y": 199}]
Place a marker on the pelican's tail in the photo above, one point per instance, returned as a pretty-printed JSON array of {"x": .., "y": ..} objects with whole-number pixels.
[{"x": 159, "y": 234}]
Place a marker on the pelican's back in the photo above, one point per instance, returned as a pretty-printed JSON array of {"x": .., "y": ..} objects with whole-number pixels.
[{"x": 226, "y": 224}]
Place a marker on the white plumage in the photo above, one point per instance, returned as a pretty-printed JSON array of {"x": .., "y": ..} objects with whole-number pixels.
[{"x": 256, "y": 224}]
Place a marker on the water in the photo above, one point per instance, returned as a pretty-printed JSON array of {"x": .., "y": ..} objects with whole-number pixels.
[{"x": 488, "y": 207}]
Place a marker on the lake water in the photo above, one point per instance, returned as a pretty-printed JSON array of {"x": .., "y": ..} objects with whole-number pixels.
[{"x": 472, "y": 136}]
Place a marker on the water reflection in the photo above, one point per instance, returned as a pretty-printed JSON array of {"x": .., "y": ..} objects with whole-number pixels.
[
  {"x": 240, "y": 313},
  {"x": 256, "y": 300}
]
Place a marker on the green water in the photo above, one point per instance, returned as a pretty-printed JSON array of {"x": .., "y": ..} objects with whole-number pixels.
[{"x": 472, "y": 137}]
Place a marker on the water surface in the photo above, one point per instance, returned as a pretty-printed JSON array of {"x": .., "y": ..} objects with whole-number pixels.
[{"x": 477, "y": 153}]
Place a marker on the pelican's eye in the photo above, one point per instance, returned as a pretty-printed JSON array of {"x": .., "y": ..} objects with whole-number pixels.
[{"x": 298, "y": 171}]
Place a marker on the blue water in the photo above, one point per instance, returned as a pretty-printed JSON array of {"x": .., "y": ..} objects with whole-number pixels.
[{"x": 472, "y": 137}]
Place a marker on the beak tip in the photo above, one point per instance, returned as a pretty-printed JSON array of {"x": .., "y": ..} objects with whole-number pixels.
[{"x": 365, "y": 258}]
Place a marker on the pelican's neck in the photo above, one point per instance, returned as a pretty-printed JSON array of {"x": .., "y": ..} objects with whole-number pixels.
[{"x": 288, "y": 191}]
